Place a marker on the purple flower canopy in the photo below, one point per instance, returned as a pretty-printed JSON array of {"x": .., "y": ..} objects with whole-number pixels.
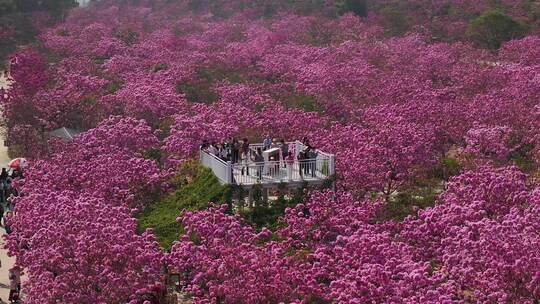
[{"x": 437, "y": 147}]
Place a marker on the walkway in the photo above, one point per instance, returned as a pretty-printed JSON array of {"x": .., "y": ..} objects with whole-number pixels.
[{"x": 7, "y": 262}]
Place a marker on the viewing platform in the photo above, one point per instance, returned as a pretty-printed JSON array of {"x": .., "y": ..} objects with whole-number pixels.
[{"x": 294, "y": 173}]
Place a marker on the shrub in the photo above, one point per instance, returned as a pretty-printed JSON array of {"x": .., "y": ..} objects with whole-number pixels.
[
  {"x": 267, "y": 214},
  {"x": 198, "y": 187},
  {"x": 491, "y": 29},
  {"x": 394, "y": 21},
  {"x": 358, "y": 7}
]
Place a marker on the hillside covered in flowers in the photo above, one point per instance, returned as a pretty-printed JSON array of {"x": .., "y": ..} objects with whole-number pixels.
[{"x": 432, "y": 109}]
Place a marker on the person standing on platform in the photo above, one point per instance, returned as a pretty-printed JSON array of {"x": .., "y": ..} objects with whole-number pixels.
[
  {"x": 235, "y": 151},
  {"x": 259, "y": 162},
  {"x": 289, "y": 161},
  {"x": 313, "y": 161},
  {"x": 302, "y": 163},
  {"x": 267, "y": 142},
  {"x": 245, "y": 156},
  {"x": 284, "y": 147}
]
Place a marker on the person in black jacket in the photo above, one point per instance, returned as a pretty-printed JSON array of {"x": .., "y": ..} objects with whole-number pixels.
[
  {"x": 1, "y": 213},
  {"x": 4, "y": 175}
]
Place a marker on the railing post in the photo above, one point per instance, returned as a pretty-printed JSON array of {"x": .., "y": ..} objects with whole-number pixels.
[
  {"x": 332, "y": 165},
  {"x": 229, "y": 172}
]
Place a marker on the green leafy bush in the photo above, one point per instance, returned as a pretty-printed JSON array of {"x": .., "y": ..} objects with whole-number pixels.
[
  {"x": 394, "y": 21},
  {"x": 358, "y": 7},
  {"x": 197, "y": 187},
  {"x": 446, "y": 168},
  {"x": 406, "y": 202},
  {"x": 491, "y": 29},
  {"x": 201, "y": 90},
  {"x": 6, "y": 6},
  {"x": 267, "y": 214}
]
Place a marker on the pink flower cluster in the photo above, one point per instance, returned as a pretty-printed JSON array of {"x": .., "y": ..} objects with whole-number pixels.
[
  {"x": 74, "y": 229},
  {"x": 489, "y": 141}
]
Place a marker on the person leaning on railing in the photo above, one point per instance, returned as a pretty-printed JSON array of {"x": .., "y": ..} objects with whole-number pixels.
[
  {"x": 302, "y": 163},
  {"x": 284, "y": 147},
  {"x": 312, "y": 154},
  {"x": 259, "y": 163},
  {"x": 245, "y": 156}
]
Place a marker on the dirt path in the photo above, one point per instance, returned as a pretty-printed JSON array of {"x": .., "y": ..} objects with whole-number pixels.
[{"x": 7, "y": 262}]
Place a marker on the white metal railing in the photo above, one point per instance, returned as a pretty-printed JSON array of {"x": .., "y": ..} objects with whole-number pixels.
[
  {"x": 220, "y": 168},
  {"x": 295, "y": 146},
  {"x": 321, "y": 167},
  {"x": 277, "y": 171}
]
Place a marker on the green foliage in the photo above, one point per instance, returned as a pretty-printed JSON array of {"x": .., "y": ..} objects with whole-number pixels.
[
  {"x": 309, "y": 7},
  {"x": 197, "y": 186},
  {"x": 154, "y": 154},
  {"x": 114, "y": 86},
  {"x": 6, "y": 6},
  {"x": 421, "y": 196},
  {"x": 24, "y": 32},
  {"x": 57, "y": 7},
  {"x": 16, "y": 14},
  {"x": 358, "y": 7},
  {"x": 90, "y": 100},
  {"x": 159, "y": 67},
  {"x": 394, "y": 21},
  {"x": 301, "y": 101},
  {"x": 128, "y": 36},
  {"x": 522, "y": 158},
  {"x": 491, "y": 29},
  {"x": 63, "y": 33},
  {"x": 219, "y": 74},
  {"x": 446, "y": 168},
  {"x": 197, "y": 92},
  {"x": 99, "y": 60},
  {"x": 201, "y": 90},
  {"x": 267, "y": 214},
  {"x": 308, "y": 104},
  {"x": 532, "y": 7},
  {"x": 325, "y": 168}
]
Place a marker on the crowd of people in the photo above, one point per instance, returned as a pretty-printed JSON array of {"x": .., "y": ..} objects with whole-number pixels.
[
  {"x": 7, "y": 210},
  {"x": 280, "y": 155}
]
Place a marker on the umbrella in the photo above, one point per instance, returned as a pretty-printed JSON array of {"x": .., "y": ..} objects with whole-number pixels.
[{"x": 18, "y": 163}]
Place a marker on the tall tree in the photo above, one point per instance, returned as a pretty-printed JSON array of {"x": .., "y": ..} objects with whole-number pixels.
[{"x": 493, "y": 28}]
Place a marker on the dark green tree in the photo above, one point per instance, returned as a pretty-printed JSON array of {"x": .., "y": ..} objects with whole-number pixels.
[
  {"x": 6, "y": 6},
  {"x": 358, "y": 7},
  {"x": 394, "y": 21},
  {"x": 491, "y": 29}
]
